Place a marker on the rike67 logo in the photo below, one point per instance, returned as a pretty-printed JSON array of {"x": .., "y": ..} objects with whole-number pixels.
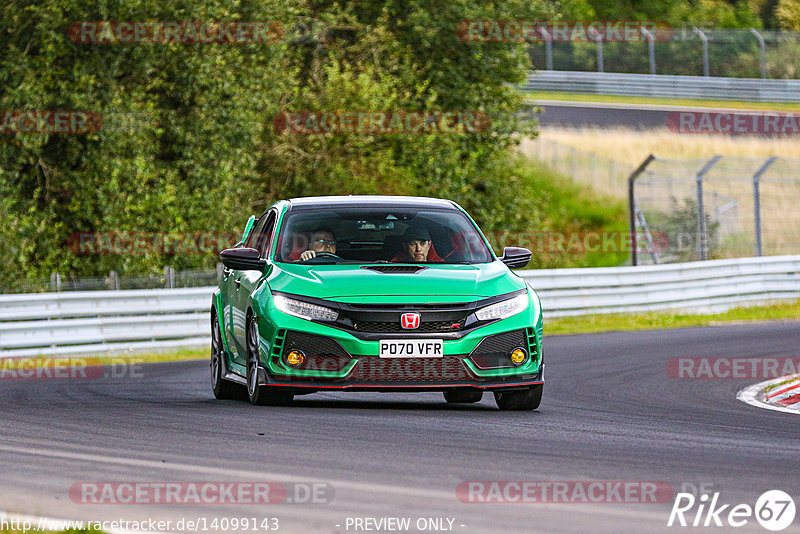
[{"x": 774, "y": 510}]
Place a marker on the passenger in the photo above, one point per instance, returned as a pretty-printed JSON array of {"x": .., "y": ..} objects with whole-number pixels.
[
  {"x": 322, "y": 240},
  {"x": 417, "y": 246}
]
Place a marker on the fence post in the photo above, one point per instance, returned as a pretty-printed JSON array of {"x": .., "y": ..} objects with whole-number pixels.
[
  {"x": 757, "y": 201},
  {"x": 169, "y": 276},
  {"x": 701, "y": 216},
  {"x": 632, "y": 206},
  {"x": 219, "y": 271},
  {"x": 113, "y": 279},
  {"x": 650, "y": 49},
  {"x": 55, "y": 281},
  {"x": 548, "y": 48},
  {"x": 762, "y": 49},
  {"x": 598, "y": 39},
  {"x": 705, "y": 50}
]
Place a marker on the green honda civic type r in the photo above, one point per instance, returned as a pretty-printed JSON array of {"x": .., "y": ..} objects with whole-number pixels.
[{"x": 374, "y": 293}]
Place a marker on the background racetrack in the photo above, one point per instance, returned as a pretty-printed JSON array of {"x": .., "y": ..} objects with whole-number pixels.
[{"x": 610, "y": 412}]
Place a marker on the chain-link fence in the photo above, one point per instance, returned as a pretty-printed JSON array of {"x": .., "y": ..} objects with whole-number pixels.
[
  {"x": 740, "y": 53},
  {"x": 750, "y": 203},
  {"x": 606, "y": 176},
  {"x": 720, "y": 207}
]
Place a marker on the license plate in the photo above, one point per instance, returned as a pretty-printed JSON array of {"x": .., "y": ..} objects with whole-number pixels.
[{"x": 411, "y": 348}]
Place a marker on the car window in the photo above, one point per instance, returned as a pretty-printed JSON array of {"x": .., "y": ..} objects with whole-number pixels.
[
  {"x": 257, "y": 228},
  {"x": 379, "y": 234},
  {"x": 262, "y": 236}
]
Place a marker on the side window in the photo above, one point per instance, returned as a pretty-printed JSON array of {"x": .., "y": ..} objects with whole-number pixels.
[
  {"x": 264, "y": 235},
  {"x": 257, "y": 228}
]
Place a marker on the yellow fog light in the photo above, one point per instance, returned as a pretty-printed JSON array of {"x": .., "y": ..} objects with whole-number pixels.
[
  {"x": 295, "y": 358},
  {"x": 518, "y": 356}
]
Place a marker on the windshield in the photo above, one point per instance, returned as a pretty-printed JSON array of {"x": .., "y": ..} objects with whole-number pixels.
[{"x": 379, "y": 235}]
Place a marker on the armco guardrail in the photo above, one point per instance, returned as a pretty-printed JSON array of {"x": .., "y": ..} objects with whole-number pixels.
[
  {"x": 710, "y": 286},
  {"x": 82, "y": 322},
  {"x": 664, "y": 86},
  {"x": 100, "y": 321}
]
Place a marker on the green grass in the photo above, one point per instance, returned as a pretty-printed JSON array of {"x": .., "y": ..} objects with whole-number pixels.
[
  {"x": 613, "y": 322},
  {"x": 568, "y": 210},
  {"x": 619, "y": 99},
  {"x": 171, "y": 356}
]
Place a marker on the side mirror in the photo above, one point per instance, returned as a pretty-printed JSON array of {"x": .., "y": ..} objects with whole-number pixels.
[
  {"x": 251, "y": 222},
  {"x": 516, "y": 257},
  {"x": 242, "y": 259}
]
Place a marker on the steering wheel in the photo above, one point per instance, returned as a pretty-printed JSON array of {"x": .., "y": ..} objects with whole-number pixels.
[{"x": 324, "y": 254}]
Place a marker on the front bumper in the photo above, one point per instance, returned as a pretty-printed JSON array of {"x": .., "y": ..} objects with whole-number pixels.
[{"x": 338, "y": 360}]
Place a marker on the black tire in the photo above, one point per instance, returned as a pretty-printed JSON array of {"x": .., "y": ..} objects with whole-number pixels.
[
  {"x": 223, "y": 389},
  {"x": 465, "y": 396},
  {"x": 522, "y": 399},
  {"x": 260, "y": 395}
]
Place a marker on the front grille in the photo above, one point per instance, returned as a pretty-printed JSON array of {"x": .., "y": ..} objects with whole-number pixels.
[
  {"x": 493, "y": 352},
  {"x": 447, "y": 369},
  {"x": 380, "y": 327},
  {"x": 313, "y": 346}
]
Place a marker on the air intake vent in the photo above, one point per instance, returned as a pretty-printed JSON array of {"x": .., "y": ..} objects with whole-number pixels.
[{"x": 399, "y": 269}]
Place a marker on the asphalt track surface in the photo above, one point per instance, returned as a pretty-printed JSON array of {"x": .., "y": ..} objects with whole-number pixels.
[
  {"x": 601, "y": 115},
  {"x": 569, "y": 114},
  {"x": 610, "y": 412}
]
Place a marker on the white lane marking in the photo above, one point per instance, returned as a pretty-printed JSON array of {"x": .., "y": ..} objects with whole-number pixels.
[
  {"x": 750, "y": 396},
  {"x": 586, "y": 508}
]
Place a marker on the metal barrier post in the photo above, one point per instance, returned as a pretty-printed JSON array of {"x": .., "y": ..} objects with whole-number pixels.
[
  {"x": 548, "y": 48},
  {"x": 701, "y": 216},
  {"x": 762, "y": 53},
  {"x": 598, "y": 39},
  {"x": 705, "y": 50},
  {"x": 650, "y": 49},
  {"x": 632, "y": 206},
  {"x": 757, "y": 200}
]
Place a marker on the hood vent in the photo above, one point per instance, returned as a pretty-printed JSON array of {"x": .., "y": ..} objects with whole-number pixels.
[{"x": 395, "y": 269}]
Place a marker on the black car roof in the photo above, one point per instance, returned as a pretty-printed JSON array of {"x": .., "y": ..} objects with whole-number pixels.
[{"x": 370, "y": 200}]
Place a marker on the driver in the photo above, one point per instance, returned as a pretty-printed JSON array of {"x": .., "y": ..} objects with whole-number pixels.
[
  {"x": 417, "y": 246},
  {"x": 321, "y": 240}
]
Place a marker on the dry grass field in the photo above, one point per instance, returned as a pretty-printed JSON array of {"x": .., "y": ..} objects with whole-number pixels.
[
  {"x": 603, "y": 159},
  {"x": 631, "y": 147}
]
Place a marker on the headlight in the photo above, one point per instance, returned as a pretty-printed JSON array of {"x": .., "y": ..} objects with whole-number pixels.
[
  {"x": 304, "y": 310},
  {"x": 503, "y": 309}
]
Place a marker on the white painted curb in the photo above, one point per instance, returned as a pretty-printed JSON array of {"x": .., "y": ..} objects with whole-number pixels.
[{"x": 754, "y": 395}]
